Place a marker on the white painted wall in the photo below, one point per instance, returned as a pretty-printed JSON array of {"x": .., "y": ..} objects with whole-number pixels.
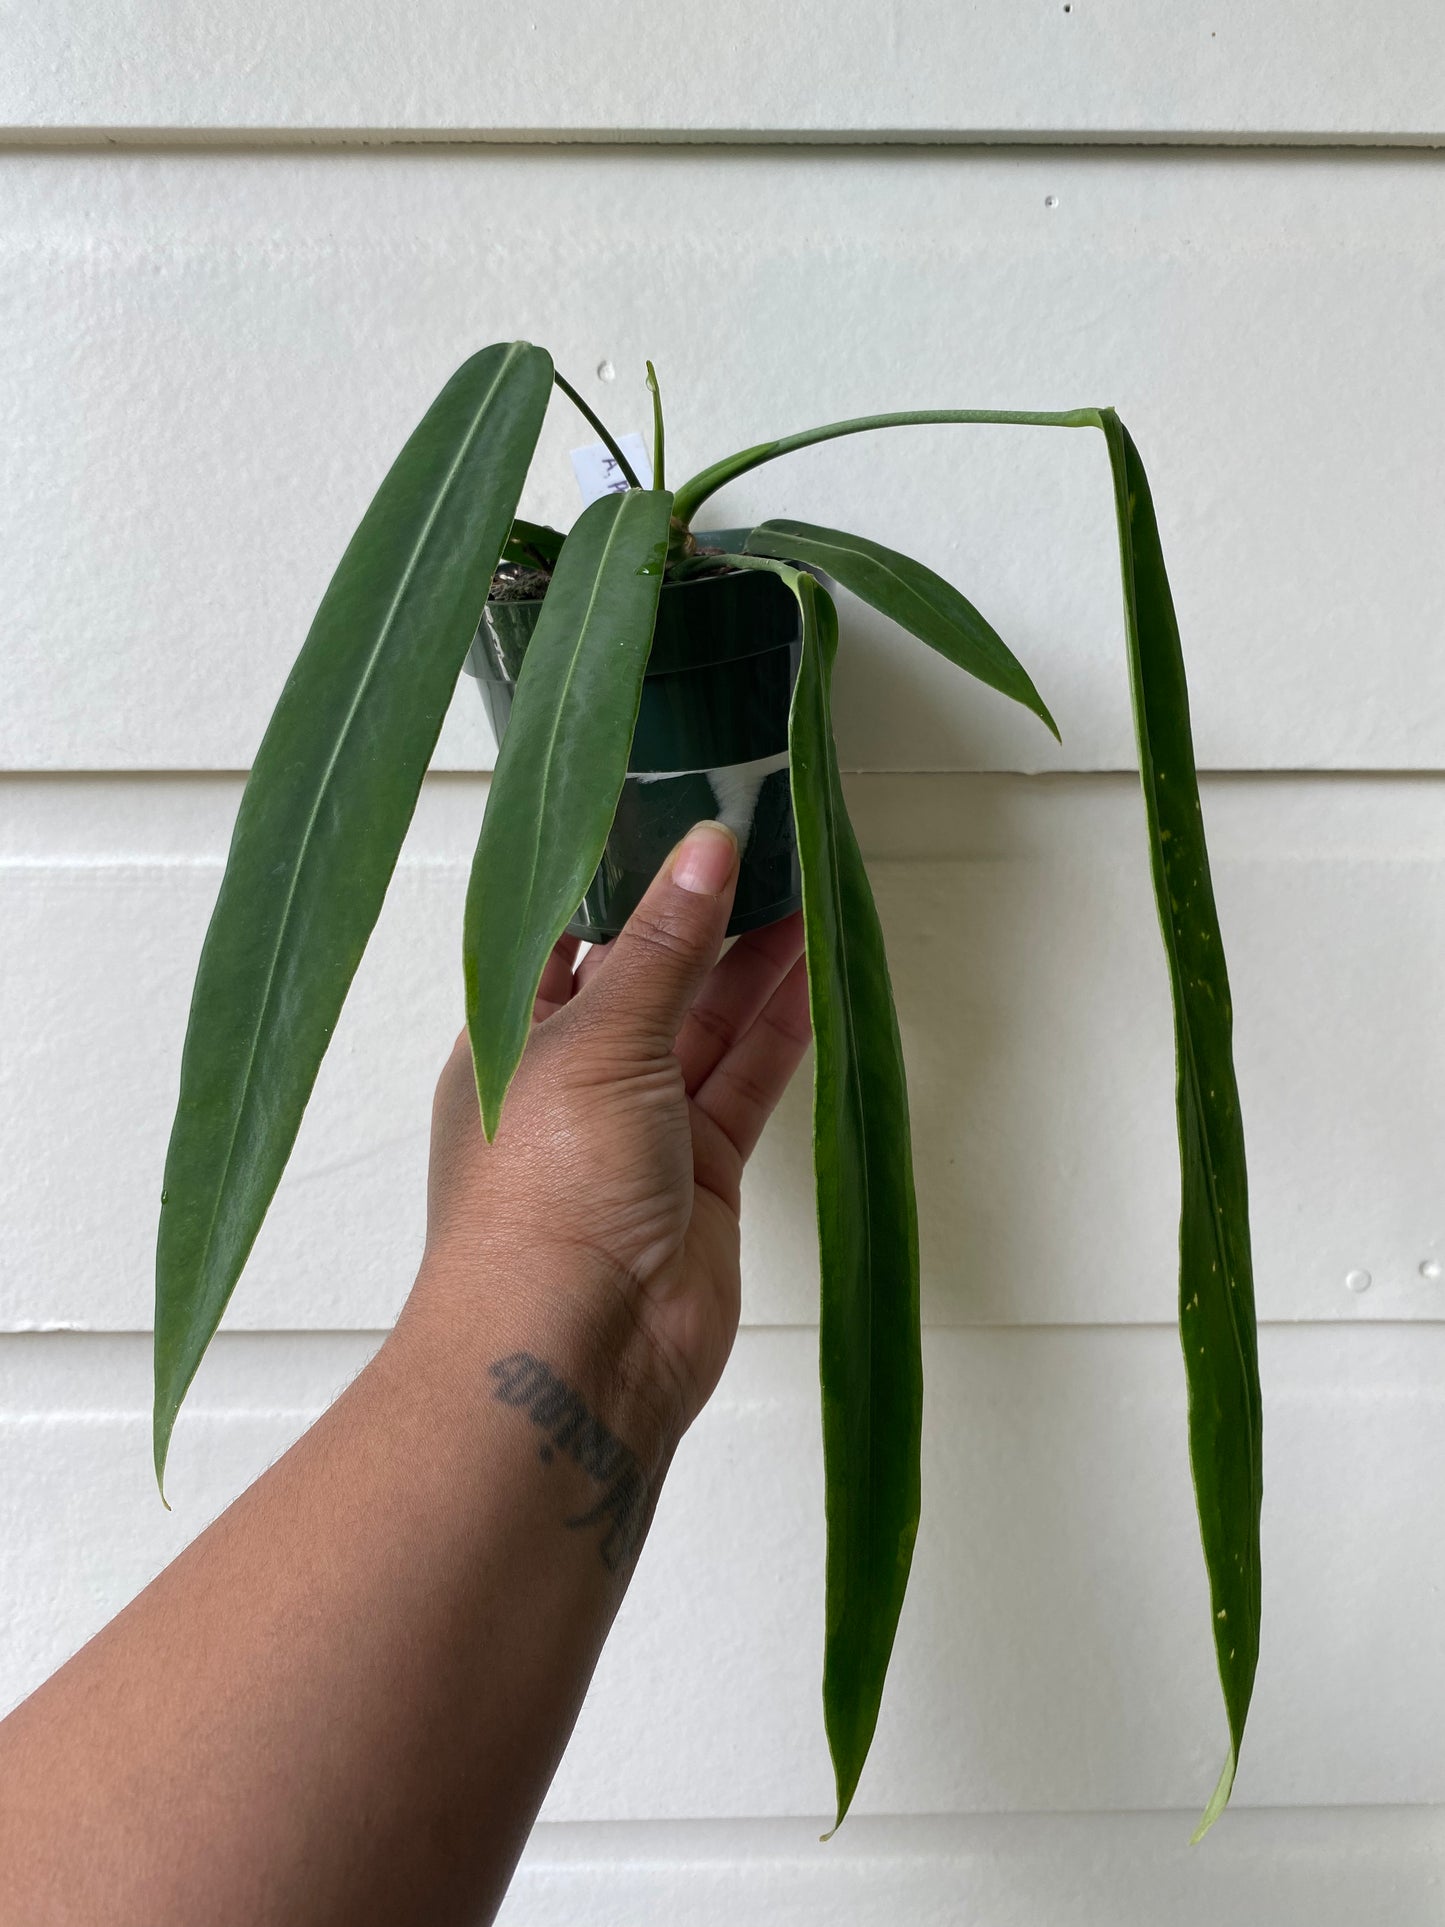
[
  {"x": 870, "y": 69},
  {"x": 226, "y": 294}
]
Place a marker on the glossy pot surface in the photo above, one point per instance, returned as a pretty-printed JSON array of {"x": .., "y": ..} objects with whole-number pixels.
[{"x": 711, "y": 740}]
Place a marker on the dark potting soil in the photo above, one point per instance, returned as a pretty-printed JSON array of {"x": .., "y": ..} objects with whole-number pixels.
[{"x": 512, "y": 583}]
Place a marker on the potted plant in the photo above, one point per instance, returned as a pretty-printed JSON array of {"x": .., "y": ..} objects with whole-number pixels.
[{"x": 705, "y": 665}]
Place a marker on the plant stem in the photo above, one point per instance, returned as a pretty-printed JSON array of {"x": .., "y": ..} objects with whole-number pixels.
[
  {"x": 658, "y": 463},
  {"x": 612, "y": 448},
  {"x": 691, "y": 496}
]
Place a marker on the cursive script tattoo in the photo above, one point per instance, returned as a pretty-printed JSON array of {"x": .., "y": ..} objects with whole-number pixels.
[{"x": 561, "y": 1415}]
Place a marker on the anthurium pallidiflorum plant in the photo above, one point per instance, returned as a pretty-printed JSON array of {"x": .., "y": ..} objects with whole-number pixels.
[{"x": 333, "y": 788}]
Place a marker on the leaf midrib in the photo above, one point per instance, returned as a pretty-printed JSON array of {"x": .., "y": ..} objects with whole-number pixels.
[
  {"x": 854, "y": 1079},
  {"x": 520, "y": 927},
  {"x": 875, "y": 554},
  {"x": 978, "y": 632},
  {"x": 1148, "y": 768}
]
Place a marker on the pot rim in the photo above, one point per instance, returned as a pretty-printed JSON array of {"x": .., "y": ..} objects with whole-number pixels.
[
  {"x": 689, "y": 582},
  {"x": 675, "y": 662}
]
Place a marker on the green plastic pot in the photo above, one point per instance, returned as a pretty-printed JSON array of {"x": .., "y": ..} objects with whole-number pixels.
[{"x": 711, "y": 740}]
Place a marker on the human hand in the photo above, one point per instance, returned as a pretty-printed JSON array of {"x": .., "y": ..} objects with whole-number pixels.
[{"x": 646, "y": 1082}]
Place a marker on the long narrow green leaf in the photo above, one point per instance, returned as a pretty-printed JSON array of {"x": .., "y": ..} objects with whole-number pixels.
[
  {"x": 870, "y": 1358},
  {"x": 912, "y": 596},
  {"x": 559, "y": 771},
  {"x": 1216, "y": 1279},
  {"x": 321, "y": 821}
]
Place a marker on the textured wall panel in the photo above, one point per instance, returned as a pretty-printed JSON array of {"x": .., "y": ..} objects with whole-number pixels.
[
  {"x": 1035, "y": 1019},
  {"x": 865, "y": 70},
  {"x": 211, "y": 360},
  {"x": 1278, "y": 1869},
  {"x": 1054, "y": 1652}
]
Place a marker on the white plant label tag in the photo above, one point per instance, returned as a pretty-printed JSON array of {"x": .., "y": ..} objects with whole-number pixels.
[{"x": 597, "y": 471}]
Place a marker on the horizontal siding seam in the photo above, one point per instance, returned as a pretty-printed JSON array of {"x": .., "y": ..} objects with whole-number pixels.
[{"x": 212, "y": 140}]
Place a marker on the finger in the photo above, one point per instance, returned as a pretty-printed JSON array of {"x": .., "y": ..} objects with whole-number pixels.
[
  {"x": 556, "y": 986},
  {"x": 655, "y": 967},
  {"x": 738, "y": 988},
  {"x": 742, "y": 1092},
  {"x": 593, "y": 962}
]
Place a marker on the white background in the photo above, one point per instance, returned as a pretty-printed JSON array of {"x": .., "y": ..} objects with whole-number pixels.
[{"x": 242, "y": 248}]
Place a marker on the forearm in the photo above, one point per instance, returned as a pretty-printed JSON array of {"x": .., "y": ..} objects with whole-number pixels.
[{"x": 346, "y": 1699}]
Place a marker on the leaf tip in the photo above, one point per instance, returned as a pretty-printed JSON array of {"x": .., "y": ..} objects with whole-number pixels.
[
  {"x": 490, "y": 1094},
  {"x": 845, "y": 1779},
  {"x": 162, "y": 1424},
  {"x": 1218, "y": 1800}
]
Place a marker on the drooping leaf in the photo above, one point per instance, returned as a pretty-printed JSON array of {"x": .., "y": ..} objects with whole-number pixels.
[
  {"x": 870, "y": 1357},
  {"x": 559, "y": 771},
  {"x": 320, "y": 824},
  {"x": 1216, "y": 1278},
  {"x": 1216, "y": 1293},
  {"x": 912, "y": 596}
]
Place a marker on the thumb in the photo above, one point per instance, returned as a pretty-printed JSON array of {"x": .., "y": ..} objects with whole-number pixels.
[{"x": 655, "y": 968}]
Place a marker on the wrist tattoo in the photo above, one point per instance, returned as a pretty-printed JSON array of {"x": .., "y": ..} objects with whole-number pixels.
[{"x": 560, "y": 1414}]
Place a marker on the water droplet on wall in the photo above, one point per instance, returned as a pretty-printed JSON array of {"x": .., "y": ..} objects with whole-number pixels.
[
  {"x": 1357, "y": 1281},
  {"x": 1430, "y": 1269},
  {"x": 605, "y": 371}
]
